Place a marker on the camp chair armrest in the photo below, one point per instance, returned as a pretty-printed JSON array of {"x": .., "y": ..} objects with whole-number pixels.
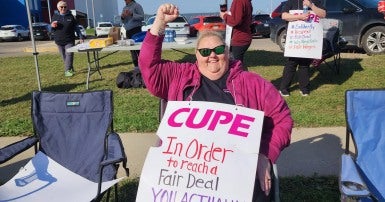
[
  {"x": 112, "y": 161},
  {"x": 16, "y": 148},
  {"x": 351, "y": 183},
  {"x": 116, "y": 152}
]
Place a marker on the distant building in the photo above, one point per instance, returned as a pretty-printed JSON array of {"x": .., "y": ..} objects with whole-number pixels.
[{"x": 14, "y": 11}]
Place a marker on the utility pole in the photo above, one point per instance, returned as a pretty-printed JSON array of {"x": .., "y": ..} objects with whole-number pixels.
[
  {"x": 49, "y": 10},
  {"x": 88, "y": 17},
  {"x": 93, "y": 14}
]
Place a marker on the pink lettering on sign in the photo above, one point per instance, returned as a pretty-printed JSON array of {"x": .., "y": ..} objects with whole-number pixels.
[
  {"x": 314, "y": 18},
  {"x": 238, "y": 124}
]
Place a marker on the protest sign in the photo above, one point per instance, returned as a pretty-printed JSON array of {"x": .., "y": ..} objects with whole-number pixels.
[
  {"x": 209, "y": 152},
  {"x": 304, "y": 38}
]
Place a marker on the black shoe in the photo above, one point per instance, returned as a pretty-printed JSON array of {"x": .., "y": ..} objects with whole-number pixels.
[
  {"x": 284, "y": 93},
  {"x": 304, "y": 94}
]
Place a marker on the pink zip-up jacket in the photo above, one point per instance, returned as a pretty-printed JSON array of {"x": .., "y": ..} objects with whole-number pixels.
[{"x": 167, "y": 80}]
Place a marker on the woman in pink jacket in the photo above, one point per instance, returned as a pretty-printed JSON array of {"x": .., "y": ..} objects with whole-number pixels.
[{"x": 214, "y": 78}]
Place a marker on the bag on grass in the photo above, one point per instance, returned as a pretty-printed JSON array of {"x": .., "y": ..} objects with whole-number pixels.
[{"x": 131, "y": 79}]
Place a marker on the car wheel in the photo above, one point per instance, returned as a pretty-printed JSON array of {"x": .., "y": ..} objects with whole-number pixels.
[
  {"x": 282, "y": 39},
  {"x": 19, "y": 37},
  {"x": 373, "y": 41}
]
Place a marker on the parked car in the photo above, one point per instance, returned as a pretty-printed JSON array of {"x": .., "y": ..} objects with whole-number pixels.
[
  {"x": 147, "y": 25},
  {"x": 362, "y": 25},
  {"x": 180, "y": 25},
  {"x": 13, "y": 32},
  {"x": 277, "y": 12},
  {"x": 42, "y": 31},
  {"x": 103, "y": 29},
  {"x": 82, "y": 30},
  {"x": 200, "y": 23},
  {"x": 260, "y": 25}
]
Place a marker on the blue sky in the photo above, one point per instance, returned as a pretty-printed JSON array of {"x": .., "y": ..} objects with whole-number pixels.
[{"x": 202, "y": 6}]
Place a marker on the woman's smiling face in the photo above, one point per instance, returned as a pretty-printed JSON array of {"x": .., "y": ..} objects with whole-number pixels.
[{"x": 213, "y": 66}]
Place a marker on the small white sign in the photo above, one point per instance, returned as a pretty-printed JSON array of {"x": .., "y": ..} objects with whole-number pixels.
[{"x": 304, "y": 38}]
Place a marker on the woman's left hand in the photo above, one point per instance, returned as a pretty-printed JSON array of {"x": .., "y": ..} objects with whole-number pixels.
[{"x": 263, "y": 173}]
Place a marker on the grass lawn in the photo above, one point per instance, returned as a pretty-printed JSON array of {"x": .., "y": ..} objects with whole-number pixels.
[{"x": 137, "y": 111}]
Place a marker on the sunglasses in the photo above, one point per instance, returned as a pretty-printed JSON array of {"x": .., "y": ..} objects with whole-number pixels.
[
  {"x": 63, "y": 6},
  {"x": 205, "y": 52}
]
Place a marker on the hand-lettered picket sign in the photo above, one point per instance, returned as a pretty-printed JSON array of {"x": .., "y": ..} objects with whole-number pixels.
[
  {"x": 207, "y": 148},
  {"x": 304, "y": 38}
]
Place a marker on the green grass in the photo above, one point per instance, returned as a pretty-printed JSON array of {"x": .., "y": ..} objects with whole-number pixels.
[
  {"x": 90, "y": 32},
  {"x": 137, "y": 111}
]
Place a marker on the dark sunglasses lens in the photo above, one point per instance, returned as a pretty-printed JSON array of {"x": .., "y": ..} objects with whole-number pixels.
[
  {"x": 63, "y": 6},
  {"x": 205, "y": 52},
  {"x": 219, "y": 49}
]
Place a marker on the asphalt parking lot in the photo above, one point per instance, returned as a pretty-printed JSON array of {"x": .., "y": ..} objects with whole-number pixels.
[
  {"x": 9, "y": 49},
  {"x": 14, "y": 49}
]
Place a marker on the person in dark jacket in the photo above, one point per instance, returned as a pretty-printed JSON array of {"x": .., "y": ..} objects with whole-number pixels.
[
  {"x": 64, "y": 26},
  {"x": 132, "y": 17}
]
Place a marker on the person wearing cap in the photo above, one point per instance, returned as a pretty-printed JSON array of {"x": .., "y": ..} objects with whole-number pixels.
[{"x": 64, "y": 26}]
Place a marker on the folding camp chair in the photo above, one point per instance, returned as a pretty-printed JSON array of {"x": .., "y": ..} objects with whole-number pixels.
[
  {"x": 332, "y": 44},
  {"x": 78, "y": 152},
  {"x": 275, "y": 180},
  {"x": 362, "y": 173}
]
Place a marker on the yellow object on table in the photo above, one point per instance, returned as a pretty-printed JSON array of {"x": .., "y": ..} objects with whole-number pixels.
[{"x": 101, "y": 42}]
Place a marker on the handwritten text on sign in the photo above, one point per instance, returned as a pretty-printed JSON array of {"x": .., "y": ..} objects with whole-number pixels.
[
  {"x": 206, "y": 149},
  {"x": 304, "y": 38}
]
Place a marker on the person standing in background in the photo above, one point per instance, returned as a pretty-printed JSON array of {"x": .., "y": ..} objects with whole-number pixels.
[
  {"x": 292, "y": 63},
  {"x": 239, "y": 18},
  {"x": 132, "y": 17},
  {"x": 64, "y": 26}
]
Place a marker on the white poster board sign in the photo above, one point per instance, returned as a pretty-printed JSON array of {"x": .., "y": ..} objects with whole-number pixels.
[
  {"x": 229, "y": 33},
  {"x": 209, "y": 152},
  {"x": 304, "y": 38}
]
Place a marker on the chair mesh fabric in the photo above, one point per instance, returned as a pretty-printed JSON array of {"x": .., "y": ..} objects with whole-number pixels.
[
  {"x": 365, "y": 112},
  {"x": 73, "y": 127}
]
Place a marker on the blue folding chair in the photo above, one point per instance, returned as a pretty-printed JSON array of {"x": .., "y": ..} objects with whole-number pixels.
[
  {"x": 73, "y": 132},
  {"x": 362, "y": 173}
]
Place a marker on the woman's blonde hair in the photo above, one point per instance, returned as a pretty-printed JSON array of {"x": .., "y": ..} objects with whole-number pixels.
[
  {"x": 209, "y": 33},
  {"x": 61, "y": 3}
]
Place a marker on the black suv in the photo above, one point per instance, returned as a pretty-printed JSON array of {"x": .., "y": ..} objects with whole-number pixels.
[
  {"x": 42, "y": 31},
  {"x": 260, "y": 25},
  {"x": 362, "y": 25}
]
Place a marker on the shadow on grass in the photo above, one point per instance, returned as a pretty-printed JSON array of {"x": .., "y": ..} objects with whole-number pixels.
[
  {"x": 322, "y": 156},
  {"x": 264, "y": 58},
  {"x": 324, "y": 76},
  {"x": 28, "y": 96}
]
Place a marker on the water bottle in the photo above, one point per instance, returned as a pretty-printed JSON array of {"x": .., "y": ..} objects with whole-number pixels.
[
  {"x": 168, "y": 36},
  {"x": 305, "y": 9},
  {"x": 173, "y": 35}
]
